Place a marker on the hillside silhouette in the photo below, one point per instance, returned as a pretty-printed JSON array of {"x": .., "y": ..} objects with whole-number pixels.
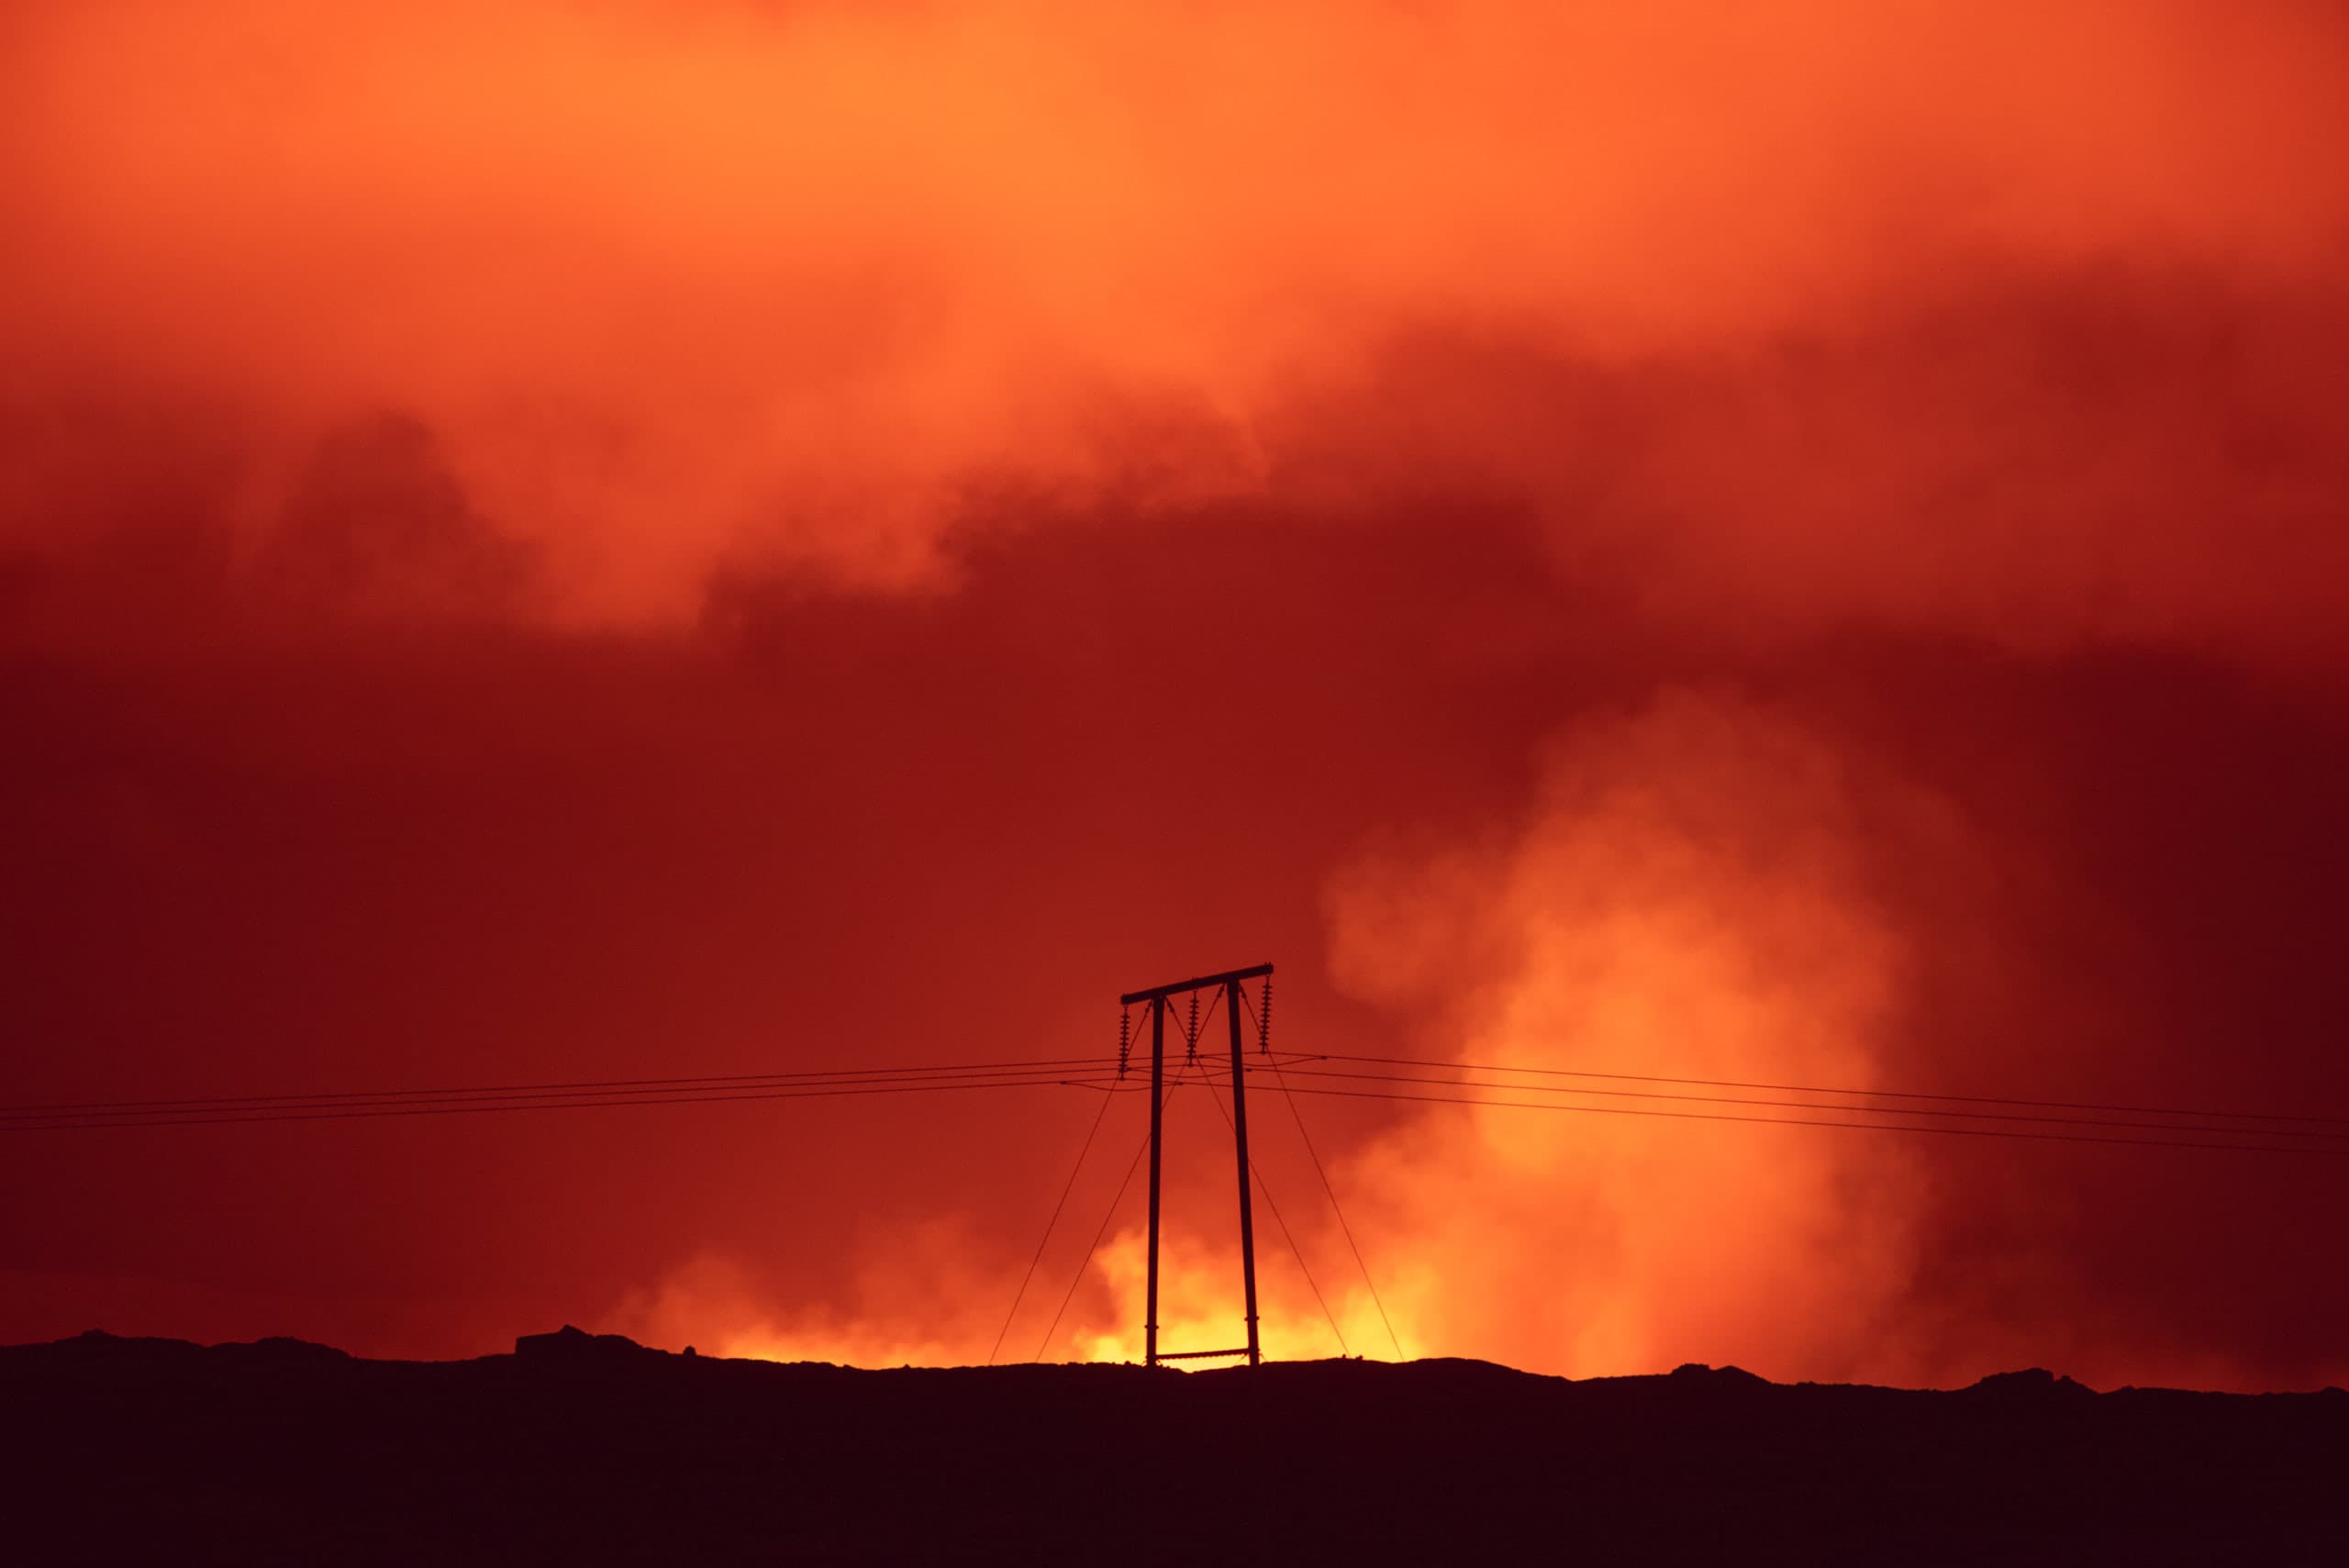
[{"x": 590, "y": 1448}]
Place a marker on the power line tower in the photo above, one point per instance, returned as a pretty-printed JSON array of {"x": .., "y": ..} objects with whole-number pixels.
[{"x": 1229, "y": 983}]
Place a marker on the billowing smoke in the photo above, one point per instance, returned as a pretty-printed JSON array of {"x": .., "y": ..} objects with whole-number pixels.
[
  {"x": 1689, "y": 888},
  {"x": 584, "y": 538},
  {"x": 1926, "y": 310}
]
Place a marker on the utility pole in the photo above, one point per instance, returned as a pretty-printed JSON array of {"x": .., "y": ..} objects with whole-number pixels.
[{"x": 1156, "y": 996}]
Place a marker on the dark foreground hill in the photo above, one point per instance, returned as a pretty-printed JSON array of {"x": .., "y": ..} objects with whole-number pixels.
[{"x": 578, "y": 1448}]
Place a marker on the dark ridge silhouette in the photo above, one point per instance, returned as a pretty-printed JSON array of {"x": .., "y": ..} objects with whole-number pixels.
[
  {"x": 2032, "y": 1383},
  {"x": 1723, "y": 1377},
  {"x": 577, "y": 1346},
  {"x": 590, "y": 1448}
]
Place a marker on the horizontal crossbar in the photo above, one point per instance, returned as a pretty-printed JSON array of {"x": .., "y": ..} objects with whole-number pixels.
[
  {"x": 1201, "y": 983},
  {"x": 1200, "y": 1355}
]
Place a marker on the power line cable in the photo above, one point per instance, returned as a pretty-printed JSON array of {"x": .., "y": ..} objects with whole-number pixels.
[
  {"x": 1812, "y": 1105},
  {"x": 1812, "y": 1089},
  {"x": 1850, "y": 1125},
  {"x": 460, "y": 1107},
  {"x": 1086, "y": 1261},
  {"x": 213, "y": 1109},
  {"x": 1067, "y": 1187},
  {"x": 724, "y": 1080},
  {"x": 1315, "y": 1155},
  {"x": 1345, "y": 1229},
  {"x": 1198, "y": 1030},
  {"x": 1295, "y": 1250}
]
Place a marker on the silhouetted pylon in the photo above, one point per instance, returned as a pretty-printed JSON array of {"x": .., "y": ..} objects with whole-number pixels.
[{"x": 1156, "y": 996}]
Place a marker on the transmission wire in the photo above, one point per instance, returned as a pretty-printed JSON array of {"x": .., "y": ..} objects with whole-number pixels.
[
  {"x": 581, "y": 1087},
  {"x": 1335, "y": 1208},
  {"x": 1066, "y": 1188},
  {"x": 1848, "y": 1125},
  {"x": 1295, "y": 1250},
  {"x": 1085, "y": 1263},
  {"x": 1814, "y": 1105},
  {"x": 1812, "y": 1089},
  {"x": 464, "y": 1108}
]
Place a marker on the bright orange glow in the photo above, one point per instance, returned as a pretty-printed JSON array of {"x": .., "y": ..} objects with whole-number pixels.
[
  {"x": 682, "y": 287},
  {"x": 1690, "y": 891},
  {"x": 1200, "y": 1306},
  {"x": 715, "y": 1307},
  {"x": 581, "y": 539}
]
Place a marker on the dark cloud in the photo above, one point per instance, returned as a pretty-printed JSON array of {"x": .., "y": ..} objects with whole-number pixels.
[
  {"x": 563, "y": 585},
  {"x": 376, "y": 526},
  {"x": 887, "y": 830}
]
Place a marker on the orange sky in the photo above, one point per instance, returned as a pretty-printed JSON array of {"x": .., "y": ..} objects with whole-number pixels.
[{"x": 548, "y": 537}]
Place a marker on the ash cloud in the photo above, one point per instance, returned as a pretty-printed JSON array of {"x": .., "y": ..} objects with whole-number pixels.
[
  {"x": 1996, "y": 309},
  {"x": 587, "y": 531}
]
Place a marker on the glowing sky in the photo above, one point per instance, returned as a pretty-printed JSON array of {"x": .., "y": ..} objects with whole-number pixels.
[{"x": 571, "y": 540}]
